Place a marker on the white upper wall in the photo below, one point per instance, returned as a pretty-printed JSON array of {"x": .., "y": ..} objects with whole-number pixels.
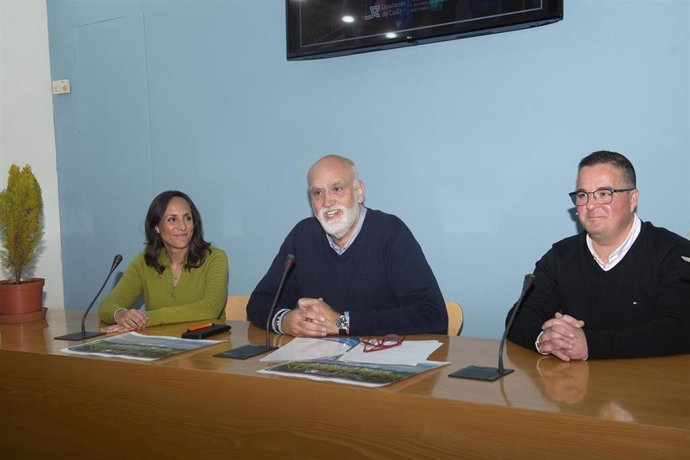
[{"x": 27, "y": 135}]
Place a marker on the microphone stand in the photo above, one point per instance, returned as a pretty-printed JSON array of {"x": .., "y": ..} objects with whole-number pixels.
[
  {"x": 84, "y": 334},
  {"x": 247, "y": 351},
  {"x": 494, "y": 373}
]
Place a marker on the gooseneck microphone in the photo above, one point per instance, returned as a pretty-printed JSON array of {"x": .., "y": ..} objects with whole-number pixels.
[
  {"x": 495, "y": 373},
  {"x": 84, "y": 334},
  {"x": 247, "y": 351},
  {"x": 289, "y": 261}
]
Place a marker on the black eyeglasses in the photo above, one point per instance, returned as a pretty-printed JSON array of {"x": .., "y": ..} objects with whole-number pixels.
[
  {"x": 601, "y": 196},
  {"x": 382, "y": 343}
]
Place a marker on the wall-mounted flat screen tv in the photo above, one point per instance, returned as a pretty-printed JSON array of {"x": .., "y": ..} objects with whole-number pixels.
[{"x": 326, "y": 28}]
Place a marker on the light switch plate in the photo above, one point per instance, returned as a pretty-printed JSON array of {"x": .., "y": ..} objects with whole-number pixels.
[{"x": 61, "y": 87}]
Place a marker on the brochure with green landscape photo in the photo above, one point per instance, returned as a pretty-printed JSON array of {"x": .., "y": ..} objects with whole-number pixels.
[
  {"x": 140, "y": 347},
  {"x": 354, "y": 373}
]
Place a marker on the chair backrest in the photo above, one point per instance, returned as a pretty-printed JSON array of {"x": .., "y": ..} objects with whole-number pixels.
[
  {"x": 455, "y": 317},
  {"x": 236, "y": 307}
]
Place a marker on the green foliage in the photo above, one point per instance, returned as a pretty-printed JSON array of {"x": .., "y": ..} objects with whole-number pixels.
[{"x": 21, "y": 221}]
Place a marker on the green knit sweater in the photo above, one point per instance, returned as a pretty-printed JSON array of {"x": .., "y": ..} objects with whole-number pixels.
[{"x": 200, "y": 293}]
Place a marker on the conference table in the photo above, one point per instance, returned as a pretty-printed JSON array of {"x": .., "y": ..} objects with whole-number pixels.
[{"x": 195, "y": 405}]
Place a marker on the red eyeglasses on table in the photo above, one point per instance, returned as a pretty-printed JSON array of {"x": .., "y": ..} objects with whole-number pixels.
[{"x": 382, "y": 343}]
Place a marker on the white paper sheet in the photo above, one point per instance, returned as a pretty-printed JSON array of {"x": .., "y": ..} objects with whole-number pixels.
[
  {"x": 410, "y": 352},
  {"x": 303, "y": 348}
]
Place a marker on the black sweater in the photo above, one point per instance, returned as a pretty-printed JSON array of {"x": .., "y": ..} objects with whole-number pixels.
[
  {"x": 641, "y": 307},
  {"x": 383, "y": 279}
]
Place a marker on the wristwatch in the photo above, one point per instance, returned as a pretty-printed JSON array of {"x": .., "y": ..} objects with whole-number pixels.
[{"x": 343, "y": 324}]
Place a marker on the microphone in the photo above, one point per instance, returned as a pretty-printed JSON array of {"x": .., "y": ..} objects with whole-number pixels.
[
  {"x": 493, "y": 373},
  {"x": 289, "y": 261},
  {"x": 247, "y": 351},
  {"x": 84, "y": 334}
]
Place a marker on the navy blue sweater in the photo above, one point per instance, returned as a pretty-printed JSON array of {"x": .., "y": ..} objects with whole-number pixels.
[
  {"x": 383, "y": 279},
  {"x": 641, "y": 307}
]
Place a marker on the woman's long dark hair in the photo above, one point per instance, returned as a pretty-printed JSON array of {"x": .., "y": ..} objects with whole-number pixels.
[{"x": 198, "y": 247}]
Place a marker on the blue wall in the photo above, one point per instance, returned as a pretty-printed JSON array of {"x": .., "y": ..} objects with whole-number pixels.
[{"x": 473, "y": 142}]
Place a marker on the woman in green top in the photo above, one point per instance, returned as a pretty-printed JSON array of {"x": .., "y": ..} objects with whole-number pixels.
[{"x": 183, "y": 278}]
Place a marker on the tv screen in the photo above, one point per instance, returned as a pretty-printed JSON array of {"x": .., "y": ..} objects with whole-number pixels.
[{"x": 326, "y": 28}]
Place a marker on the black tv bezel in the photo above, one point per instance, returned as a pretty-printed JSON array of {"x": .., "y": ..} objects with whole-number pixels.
[{"x": 551, "y": 11}]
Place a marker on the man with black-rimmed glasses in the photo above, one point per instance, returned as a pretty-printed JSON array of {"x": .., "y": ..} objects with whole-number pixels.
[{"x": 619, "y": 289}]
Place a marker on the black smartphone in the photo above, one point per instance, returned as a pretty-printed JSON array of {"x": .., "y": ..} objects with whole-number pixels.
[{"x": 202, "y": 333}]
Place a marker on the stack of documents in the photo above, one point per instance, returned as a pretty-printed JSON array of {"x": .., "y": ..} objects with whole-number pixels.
[
  {"x": 343, "y": 360},
  {"x": 410, "y": 352},
  {"x": 304, "y": 349},
  {"x": 350, "y": 349}
]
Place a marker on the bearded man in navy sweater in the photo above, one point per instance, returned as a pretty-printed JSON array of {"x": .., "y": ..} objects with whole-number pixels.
[
  {"x": 357, "y": 270},
  {"x": 619, "y": 289}
]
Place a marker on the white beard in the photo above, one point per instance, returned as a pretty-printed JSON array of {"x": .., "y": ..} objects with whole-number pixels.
[{"x": 339, "y": 228}]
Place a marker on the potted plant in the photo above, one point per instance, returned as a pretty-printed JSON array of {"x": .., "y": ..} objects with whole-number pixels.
[{"x": 21, "y": 233}]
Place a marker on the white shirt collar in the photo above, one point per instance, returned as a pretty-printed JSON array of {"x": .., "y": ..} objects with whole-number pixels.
[
  {"x": 358, "y": 227},
  {"x": 620, "y": 252}
]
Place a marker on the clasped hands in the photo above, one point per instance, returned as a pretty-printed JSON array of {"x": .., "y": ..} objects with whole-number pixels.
[
  {"x": 311, "y": 318},
  {"x": 563, "y": 337},
  {"x": 127, "y": 320}
]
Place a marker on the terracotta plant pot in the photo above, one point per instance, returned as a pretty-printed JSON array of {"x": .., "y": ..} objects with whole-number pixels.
[{"x": 23, "y": 298}]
